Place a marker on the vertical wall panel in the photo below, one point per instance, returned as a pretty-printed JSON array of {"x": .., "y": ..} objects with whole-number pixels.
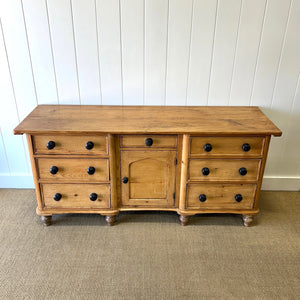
[
  {"x": 61, "y": 29},
  {"x": 285, "y": 87},
  {"x": 153, "y": 52},
  {"x": 9, "y": 118},
  {"x": 250, "y": 29},
  {"x": 179, "y": 31},
  {"x": 18, "y": 55},
  {"x": 108, "y": 24},
  {"x": 36, "y": 19},
  {"x": 269, "y": 53},
  {"x": 156, "y": 31},
  {"x": 132, "y": 25},
  {"x": 85, "y": 31},
  {"x": 4, "y": 169},
  {"x": 227, "y": 23},
  {"x": 203, "y": 28},
  {"x": 289, "y": 157}
]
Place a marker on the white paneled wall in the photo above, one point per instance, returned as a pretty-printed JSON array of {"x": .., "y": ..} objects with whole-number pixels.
[{"x": 151, "y": 52}]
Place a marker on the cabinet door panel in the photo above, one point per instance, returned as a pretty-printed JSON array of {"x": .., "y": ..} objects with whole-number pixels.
[{"x": 151, "y": 178}]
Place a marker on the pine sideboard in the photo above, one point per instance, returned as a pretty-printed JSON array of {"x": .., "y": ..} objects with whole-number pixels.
[{"x": 107, "y": 159}]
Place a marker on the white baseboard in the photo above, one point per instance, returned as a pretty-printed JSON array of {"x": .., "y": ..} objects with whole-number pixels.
[
  {"x": 16, "y": 181},
  {"x": 25, "y": 181},
  {"x": 274, "y": 183}
]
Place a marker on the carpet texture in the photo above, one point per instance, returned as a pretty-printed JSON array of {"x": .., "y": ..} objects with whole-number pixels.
[{"x": 149, "y": 255}]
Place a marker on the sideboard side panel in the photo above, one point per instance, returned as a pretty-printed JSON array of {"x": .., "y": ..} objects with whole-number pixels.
[{"x": 34, "y": 172}]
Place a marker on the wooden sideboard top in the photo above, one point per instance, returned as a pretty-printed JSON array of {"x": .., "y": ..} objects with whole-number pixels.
[{"x": 206, "y": 120}]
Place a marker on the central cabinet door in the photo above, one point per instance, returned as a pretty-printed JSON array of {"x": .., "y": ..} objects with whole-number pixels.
[{"x": 148, "y": 178}]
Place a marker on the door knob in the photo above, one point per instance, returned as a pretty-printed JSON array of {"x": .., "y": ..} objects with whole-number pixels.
[{"x": 125, "y": 180}]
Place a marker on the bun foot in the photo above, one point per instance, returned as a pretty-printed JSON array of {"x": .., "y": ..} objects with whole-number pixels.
[
  {"x": 184, "y": 220},
  {"x": 247, "y": 220},
  {"x": 47, "y": 220},
  {"x": 110, "y": 220}
]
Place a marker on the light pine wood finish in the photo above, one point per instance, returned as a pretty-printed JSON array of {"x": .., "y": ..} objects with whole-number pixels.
[
  {"x": 138, "y": 141},
  {"x": 70, "y": 145},
  {"x": 217, "y": 120},
  {"x": 166, "y": 175},
  {"x": 76, "y": 195},
  {"x": 151, "y": 178},
  {"x": 227, "y": 146},
  {"x": 73, "y": 169},
  {"x": 223, "y": 170},
  {"x": 220, "y": 196}
]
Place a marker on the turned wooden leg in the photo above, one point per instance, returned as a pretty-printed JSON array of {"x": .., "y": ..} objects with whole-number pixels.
[
  {"x": 110, "y": 220},
  {"x": 247, "y": 220},
  {"x": 47, "y": 220},
  {"x": 184, "y": 220}
]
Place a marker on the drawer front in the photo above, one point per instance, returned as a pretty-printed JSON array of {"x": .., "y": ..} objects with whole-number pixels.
[
  {"x": 71, "y": 169},
  {"x": 226, "y": 196},
  {"x": 148, "y": 141},
  {"x": 70, "y": 144},
  {"x": 76, "y": 195},
  {"x": 227, "y": 146},
  {"x": 226, "y": 169}
]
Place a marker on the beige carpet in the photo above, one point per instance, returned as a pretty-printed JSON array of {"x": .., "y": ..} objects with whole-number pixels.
[{"x": 149, "y": 255}]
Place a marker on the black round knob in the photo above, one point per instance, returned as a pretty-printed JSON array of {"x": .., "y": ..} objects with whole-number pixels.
[
  {"x": 93, "y": 196},
  {"x": 205, "y": 171},
  {"x": 148, "y": 142},
  {"x": 202, "y": 197},
  {"x": 91, "y": 170},
  {"x": 243, "y": 171},
  {"x": 238, "y": 197},
  {"x": 53, "y": 170},
  {"x": 57, "y": 196},
  {"x": 50, "y": 145},
  {"x": 246, "y": 147},
  {"x": 89, "y": 145},
  {"x": 125, "y": 180},
  {"x": 207, "y": 147}
]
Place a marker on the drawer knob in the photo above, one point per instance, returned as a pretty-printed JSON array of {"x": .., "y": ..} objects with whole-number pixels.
[
  {"x": 53, "y": 170},
  {"x": 57, "y": 196},
  {"x": 205, "y": 171},
  {"x": 238, "y": 197},
  {"x": 50, "y": 145},
  {"x": 93, "y": 196},
  {"x": 91, "y": 170},
  {"x": 202, "y": 197},
  {"x": 125, "y": 180},
  {"x": 148, "y": 142},
  {"x": 246, "y": 147},
  {"x": 89, "y": 145},
  {"x": 243, "y": 171},
  {"x": 207, "y": 147}
]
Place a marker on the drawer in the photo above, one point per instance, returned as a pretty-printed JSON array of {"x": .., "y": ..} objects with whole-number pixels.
[
  {"x": 148, "y": 141},
  {"x": 71, "y": 169},
  {"x": 76, "y": 195},
  {"x": 70, "y": 144},
  {"x": 217, "y": 196},
  {"x": 224, "y": 169},
  {"x": 239, "y": 146}
]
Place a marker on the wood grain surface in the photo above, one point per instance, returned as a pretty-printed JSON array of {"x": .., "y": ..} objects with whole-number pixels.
[
  {"x": 220, "y": 196},
  {"x": 73, "y": 169},
  {"x": 218, "y": 120},
  {"x": 223, "y": 169}
]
